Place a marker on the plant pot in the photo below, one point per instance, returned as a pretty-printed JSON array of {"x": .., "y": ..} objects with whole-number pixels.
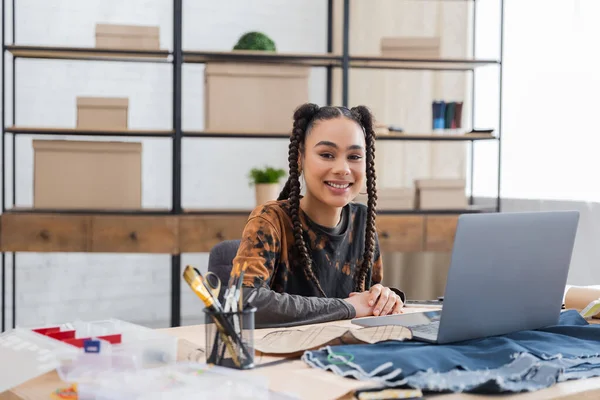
[{"x": 266, "y": 192}]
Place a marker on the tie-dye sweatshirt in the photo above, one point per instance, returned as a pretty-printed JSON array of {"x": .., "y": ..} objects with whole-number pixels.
[{"x": 275, "y": 268}]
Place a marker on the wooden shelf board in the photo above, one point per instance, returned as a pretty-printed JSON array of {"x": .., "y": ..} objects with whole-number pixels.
[
  {"x": 85, "y": 53},
  {"x": 468, "y": 210},
  {"x": 85, "y": 211},
  {"x": 310, "y": 59},
  {"x": 433, "y": 136},
  {"x": 472, "y": 209},
  {"x": 242, "y": 135},
  {"x": 387, "y": 136},
  {"x": 198, "y": 56},
  {"x": 193, "y": 56},
  {"x": 221, "y": 211},
  {"x": 216, "y": 211},
  {"x": 327, "y": 59},
  {"x": 443, "y": 64},
  {"x": 86, "y": 132}
]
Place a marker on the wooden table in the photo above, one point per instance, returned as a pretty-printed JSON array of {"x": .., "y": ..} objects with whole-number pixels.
[{"x": 294, "y": 376}]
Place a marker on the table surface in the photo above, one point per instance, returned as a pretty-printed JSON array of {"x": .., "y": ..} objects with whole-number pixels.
[{"x": 293, "y": 376}]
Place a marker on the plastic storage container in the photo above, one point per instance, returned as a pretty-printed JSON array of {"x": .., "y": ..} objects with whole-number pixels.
[
  {"x": 126, "y": 347},
  {"x": 25, "y": 355},
  {"x": 149, "y": 346}
]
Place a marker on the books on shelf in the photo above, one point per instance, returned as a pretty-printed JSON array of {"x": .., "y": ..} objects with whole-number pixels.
[{"x": 446, "y": 115}]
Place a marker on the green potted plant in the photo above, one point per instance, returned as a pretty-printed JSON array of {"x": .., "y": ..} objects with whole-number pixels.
[
  {"x": 266, "y": 182},
  {"x": 255, "y": 41}
]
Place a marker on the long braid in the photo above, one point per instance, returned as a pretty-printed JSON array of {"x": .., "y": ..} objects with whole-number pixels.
[
  {"x": 365, "y": 118},
  {"x": 302, "y": 118}
]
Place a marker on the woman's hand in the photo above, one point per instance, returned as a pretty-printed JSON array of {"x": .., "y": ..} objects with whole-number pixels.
[
  {"x": 360, "y": 302},
  {"x": 382, "y": 300}
]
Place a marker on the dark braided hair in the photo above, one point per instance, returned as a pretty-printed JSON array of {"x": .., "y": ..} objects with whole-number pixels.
[
  {"x": 305, "y": 117},
  {"x": 365, "y": 118}
]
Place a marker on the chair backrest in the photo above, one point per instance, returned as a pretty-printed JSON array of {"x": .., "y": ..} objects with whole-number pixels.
[{"x": 220, "y": 261}]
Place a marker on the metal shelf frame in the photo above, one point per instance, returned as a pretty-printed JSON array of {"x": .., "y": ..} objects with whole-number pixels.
[{"x": 177, "y": 57}]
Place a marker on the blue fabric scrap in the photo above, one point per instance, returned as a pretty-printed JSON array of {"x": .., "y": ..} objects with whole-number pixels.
[{"x": 516, "y": 362}]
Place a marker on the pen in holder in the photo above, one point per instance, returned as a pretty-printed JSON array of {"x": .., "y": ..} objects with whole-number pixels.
[{"x": 226, "y": 348}]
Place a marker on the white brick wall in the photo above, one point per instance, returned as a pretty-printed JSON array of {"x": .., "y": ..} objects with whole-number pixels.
[{"x": 60, "y": 287}]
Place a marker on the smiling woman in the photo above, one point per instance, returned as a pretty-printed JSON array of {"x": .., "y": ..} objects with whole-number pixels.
[{"x": 316, "y": 258}]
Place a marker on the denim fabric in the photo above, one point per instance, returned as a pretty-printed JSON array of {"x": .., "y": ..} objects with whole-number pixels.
[{"x": 522, "y": 361}]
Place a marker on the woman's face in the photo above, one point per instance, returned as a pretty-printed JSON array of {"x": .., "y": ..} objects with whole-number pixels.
[{"x": 333, "y": 162}]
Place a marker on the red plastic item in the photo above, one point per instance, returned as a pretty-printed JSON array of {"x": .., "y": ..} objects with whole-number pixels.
[
  {"x": 62, "y": 335},
  {"x": 54, "y": 332},
  {"x": 44, "y": 331},
  {"x": 113, "y": 339},
  {"x": 79, "y": 342},
  {"x": 76, "y": 342}
]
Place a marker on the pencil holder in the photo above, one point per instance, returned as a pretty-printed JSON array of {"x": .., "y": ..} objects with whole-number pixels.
[{"x": 230, "y": 338}]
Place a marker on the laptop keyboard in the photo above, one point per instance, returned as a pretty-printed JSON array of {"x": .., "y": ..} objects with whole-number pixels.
[{"x": 429, "y": 329}]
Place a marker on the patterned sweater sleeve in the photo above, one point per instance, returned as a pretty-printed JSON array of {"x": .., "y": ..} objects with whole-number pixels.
[{"x": 261, "y": 249}]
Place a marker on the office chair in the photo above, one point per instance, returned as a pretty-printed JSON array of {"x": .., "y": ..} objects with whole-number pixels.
[{"x": 220, "y": 261}]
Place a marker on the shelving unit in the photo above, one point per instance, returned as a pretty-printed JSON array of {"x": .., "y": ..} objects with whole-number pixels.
[{"x": 176, "y": 230}]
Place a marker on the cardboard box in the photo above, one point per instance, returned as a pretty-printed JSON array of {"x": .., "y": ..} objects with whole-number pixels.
[
  {"x": 391, "y": 198},
  {"x": 411, "y": 47},
  {"x": 253, "y": 97},
  {"x": 381, "y": 129},
  {"x": 87, "y": 174},
  {"x": 109, "y": 113},
  {"x": 440, "y": 194},
  {"x": 127, "y": 37}
]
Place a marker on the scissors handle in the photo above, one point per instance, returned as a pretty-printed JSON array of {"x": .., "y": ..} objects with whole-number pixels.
[{"x": 213, "y": 284}]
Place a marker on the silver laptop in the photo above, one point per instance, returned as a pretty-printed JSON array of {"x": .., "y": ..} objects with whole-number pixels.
[{"x": 508, "y": 273}]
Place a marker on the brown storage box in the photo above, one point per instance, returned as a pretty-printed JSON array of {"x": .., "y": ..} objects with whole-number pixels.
[
  {"x": 440, "y": 193},
  {"x": 411, "y": 47},
  {"x": 242, "y": 98},
  {"x": 128, "y": 37},
  {"x": 82, "y": 174},
  {"x": 391, "y": 198},
  {"x": 381, "y": 128},
  {"x": 109, "y": 113}
]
